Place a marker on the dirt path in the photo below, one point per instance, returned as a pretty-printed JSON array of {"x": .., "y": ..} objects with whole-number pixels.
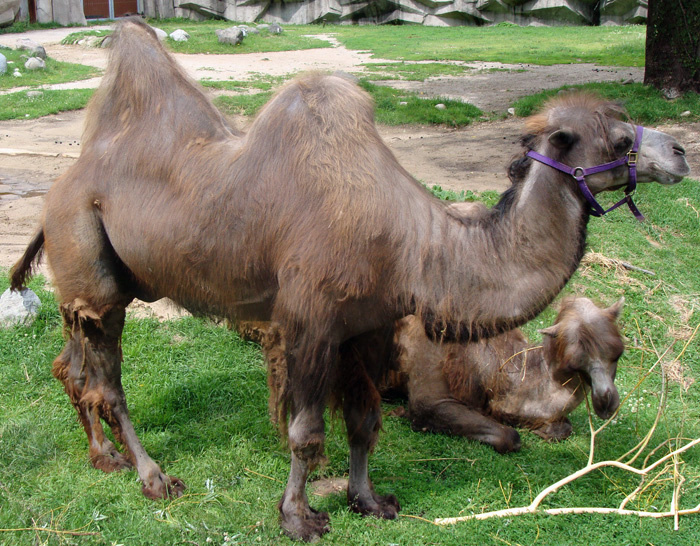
[{"x": 34, "y": 152}]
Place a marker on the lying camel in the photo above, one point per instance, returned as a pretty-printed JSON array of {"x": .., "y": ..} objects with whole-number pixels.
[
  {"x": 308, "y": 220},
  {"x": 477, "y": 389}
]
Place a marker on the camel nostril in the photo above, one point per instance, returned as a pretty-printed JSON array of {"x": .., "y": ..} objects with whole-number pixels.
[{"x": 678, "y": 149}]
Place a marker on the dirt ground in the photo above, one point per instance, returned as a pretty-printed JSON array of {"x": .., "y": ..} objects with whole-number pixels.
[{"x": 34, "y": 152}]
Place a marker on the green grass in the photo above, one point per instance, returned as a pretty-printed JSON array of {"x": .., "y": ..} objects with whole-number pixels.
[
  {"x": 411, "y": 71},
  {"x": 417, "y": 109},
  {"x": 203, "y": 38},
  {"x": 262, "y": 82},
  {"x": 644, "y": 104},
  {"x": 388, "y": 107},
  {"x": 55, "y": 72},
  {"x": 612, "y": 46},
  {"x": 19, "y": 105},
  {"x": 197, "y": 397},
  {"x": 244, "y": 105}
]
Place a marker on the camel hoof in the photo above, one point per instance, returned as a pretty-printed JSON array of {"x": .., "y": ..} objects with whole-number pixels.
[
  {"x": 308, "y": 528},
  {"x": 379, "y": 506},
  {"x": 555, "y": 432},
  {"x": 163, "y": 487},
  {"x": 508, "y": 442},
  {"x": 111, "y": 461}
]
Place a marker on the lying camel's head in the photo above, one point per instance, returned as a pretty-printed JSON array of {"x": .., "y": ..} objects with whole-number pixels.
[{"x": 585, "y": 342}]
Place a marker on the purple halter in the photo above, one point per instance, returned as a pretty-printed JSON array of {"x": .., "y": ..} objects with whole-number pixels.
[{"x": 579, "y": 173}]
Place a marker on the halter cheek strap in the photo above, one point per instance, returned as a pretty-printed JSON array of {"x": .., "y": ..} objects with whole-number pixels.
[{"x": 580, "y": 174}]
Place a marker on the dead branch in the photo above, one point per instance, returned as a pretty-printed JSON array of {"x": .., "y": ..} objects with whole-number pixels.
[
  {"x": 534, "y": 506},
  {"x": 646, "y": 473}
]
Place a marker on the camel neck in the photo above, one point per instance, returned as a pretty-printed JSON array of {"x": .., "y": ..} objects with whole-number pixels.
[{"x": 506, "y": 265}]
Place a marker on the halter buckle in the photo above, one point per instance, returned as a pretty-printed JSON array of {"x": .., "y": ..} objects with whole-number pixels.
[{"x": 632, "y": 157}]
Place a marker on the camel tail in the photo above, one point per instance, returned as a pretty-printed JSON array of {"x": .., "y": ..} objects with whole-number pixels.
[{"x": 24, "y": 268}]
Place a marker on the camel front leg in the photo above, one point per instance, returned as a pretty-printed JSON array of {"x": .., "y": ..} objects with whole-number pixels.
[
  {"x": 363, "y": 421},
  {"x": 450, "y": 416},
  {"x": 306, "y": 436},
  {"x": 90, "y": 368}
]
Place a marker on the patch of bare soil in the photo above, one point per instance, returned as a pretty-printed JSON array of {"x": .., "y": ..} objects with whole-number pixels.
[{"x": 34, "y": 152}]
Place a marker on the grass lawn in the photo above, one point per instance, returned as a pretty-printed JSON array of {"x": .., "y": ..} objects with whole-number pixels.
[
  {"x": 55, "y": 71},
  {"x": 197, "y": 396}
]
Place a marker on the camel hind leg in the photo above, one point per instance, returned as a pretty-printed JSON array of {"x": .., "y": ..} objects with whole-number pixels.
[
  {"x": 95, "y": 288},
  {"x": 90, "y": 370},
  {"x": 69, "y": 368}
]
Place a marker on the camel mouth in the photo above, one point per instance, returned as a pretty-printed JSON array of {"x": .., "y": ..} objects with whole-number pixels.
[
  {"x": 668, "y": 175},
  {"x": 606, "y": 405}
]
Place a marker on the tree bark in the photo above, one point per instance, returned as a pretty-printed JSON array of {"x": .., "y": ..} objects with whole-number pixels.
[{"x": 673, "y": 46}]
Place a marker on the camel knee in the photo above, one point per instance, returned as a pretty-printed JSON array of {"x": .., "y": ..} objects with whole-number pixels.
[
  {"x": 306, "y": 439},
  {"x": 68, "y": 369}
]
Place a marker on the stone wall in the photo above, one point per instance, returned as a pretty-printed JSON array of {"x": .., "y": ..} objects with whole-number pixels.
[{"x": 426, "y": 12}]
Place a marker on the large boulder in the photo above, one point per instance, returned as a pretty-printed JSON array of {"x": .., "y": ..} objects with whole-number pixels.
[
  {"x": 35, "y": 63},
  {"x": 9, "y": 9},
  {"x": 35, "y": 49},
  {"x": 18, "y": 307},
  {"x": 233, "y": 35}
]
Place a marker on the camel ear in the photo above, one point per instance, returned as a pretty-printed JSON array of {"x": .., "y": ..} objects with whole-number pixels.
[
  {"x": 616, "y": 308},
  {"x": 563, "y": 139},
  {"x": 551, "y": 331}
]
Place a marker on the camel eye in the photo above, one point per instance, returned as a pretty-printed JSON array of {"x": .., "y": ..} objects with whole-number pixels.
[{"x": 623, "y": 145}]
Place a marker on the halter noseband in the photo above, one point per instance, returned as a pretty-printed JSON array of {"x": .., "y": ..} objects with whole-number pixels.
[{"x": 579, "y": 173}]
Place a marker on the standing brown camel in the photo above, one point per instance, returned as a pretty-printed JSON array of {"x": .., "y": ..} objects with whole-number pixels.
[
  {"x": 307, "y": 220},
  {"x": 476, "y": 389}
]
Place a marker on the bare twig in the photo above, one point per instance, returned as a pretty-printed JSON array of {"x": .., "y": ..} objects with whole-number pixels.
[{"x": 644, "y": 472}]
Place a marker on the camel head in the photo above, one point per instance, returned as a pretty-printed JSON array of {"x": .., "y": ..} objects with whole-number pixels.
[
  {"x": 584, "y": 344},
  {"x": 581, "y": 130}
]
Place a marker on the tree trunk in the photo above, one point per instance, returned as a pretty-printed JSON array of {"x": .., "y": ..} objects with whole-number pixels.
[{"x": 673, "y": 46}]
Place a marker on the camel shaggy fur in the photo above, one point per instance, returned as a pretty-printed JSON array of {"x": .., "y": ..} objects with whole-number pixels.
[{"x": 307, "y": 220}]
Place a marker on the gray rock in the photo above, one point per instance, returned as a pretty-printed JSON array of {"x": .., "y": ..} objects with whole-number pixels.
[
  {"x": 263, "y": 27},
  {"x": 179, "y": 35},
  {"x": 275, "y": 29},
  {"x": 35, "y": 94},
  {"x": 35, "y": 49},
  {"x": 232, "y": 35},
  {"x": 18, "y": 307},
  {"x": 3, "y": 64},
  {"x": 441, "y": 106},
  {"x": 671, "y": 93},
  {"x": 35, "y": 63},
  {"x": 162, "y": 35},
  {"x": 9, "y": 10}
]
